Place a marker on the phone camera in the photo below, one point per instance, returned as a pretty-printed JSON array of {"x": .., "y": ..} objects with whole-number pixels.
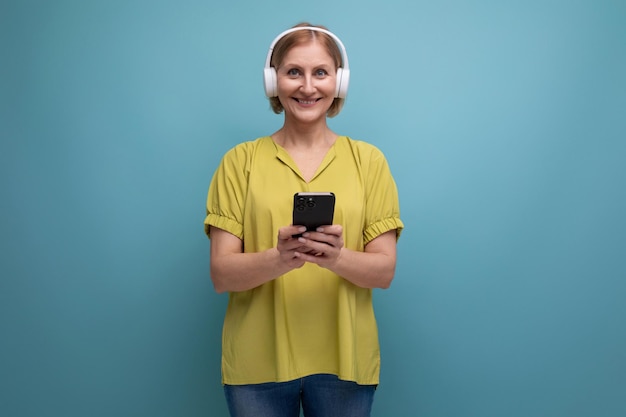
[{"x": 301, "y": 204}]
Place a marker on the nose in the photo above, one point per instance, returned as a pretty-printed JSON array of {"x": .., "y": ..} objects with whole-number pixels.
[{"x": 308, "y": 84}]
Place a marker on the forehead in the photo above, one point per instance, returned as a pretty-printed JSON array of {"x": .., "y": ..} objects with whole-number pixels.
[{"x": 313, "y": 53}]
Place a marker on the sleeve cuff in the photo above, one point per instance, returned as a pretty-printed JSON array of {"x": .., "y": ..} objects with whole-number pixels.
[
  {"x": 224, "y": 223},
  {"x": 376, "y": 229}
]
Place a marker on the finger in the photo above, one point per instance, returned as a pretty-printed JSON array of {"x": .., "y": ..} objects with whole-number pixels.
[
  {"x": 286, "y": 233},
  {"x": 316, "y": 247},
  {"x": 320, "y": 237},
  {"x": 334, "y": 229}
]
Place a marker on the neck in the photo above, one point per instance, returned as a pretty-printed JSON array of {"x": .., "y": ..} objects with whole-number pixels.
[{"x": 304, "y": 136}]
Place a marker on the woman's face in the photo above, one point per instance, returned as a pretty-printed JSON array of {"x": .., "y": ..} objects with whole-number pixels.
[{"x": 306, "y": 82}]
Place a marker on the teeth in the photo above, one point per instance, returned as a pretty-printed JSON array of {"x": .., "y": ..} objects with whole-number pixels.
[{"x": 306, "y": 101}]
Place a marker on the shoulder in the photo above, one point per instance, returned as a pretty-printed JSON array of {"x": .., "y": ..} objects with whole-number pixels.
[
  {"x": 250, "y": 146},
  {"x": 245, "y": 151},
  {"x": 363, "y": 151}
]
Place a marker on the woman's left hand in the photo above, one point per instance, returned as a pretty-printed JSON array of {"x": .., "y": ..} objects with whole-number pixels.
[{"x": 324, "y": 245}]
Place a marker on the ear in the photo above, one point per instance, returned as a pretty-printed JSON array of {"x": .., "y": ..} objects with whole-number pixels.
[
  {"x": 270, "y": 83},
  {"x": 343, "y": 80}
]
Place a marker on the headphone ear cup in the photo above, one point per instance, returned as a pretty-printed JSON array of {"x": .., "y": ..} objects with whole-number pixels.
[
  {"x": 343, "y": 80},
  {"x": 269, "y": 81}
]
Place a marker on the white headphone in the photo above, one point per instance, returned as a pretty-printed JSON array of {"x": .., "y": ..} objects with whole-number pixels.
[{"x": 343, "y": 73}]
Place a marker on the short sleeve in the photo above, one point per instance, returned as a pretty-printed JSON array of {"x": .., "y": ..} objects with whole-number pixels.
[
  {"x": 382, "y": 212},
  {"x": 227, "y": 192}
]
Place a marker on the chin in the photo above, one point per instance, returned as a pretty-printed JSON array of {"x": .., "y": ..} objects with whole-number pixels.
[{"x": 303, "y": 118}]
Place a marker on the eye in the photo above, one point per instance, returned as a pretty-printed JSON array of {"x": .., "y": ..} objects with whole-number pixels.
[
  {"x": 320, "y": 73},
  {"x": 293, "y": 72}
]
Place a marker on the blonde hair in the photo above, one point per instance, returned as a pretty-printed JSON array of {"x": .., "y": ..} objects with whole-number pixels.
[{"x": 301, "y": 37}]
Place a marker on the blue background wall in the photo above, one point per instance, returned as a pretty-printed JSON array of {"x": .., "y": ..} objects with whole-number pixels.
[{"x": 505, "y": 126}]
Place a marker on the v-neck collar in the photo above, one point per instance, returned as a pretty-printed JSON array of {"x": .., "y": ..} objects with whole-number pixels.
[{"x": 285, "y": 158}]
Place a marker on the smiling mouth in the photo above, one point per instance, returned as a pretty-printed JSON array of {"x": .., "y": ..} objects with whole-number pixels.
[{"x": 301, "y": 101}]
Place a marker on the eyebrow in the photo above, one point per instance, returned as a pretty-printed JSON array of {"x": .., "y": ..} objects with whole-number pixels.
[{"x": 292, "y": 64}]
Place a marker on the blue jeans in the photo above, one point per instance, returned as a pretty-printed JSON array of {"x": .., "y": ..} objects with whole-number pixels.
[{"x": 320, "y": 395}]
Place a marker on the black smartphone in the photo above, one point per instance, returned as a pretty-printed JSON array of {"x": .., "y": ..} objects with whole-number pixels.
[{"x": 313, "y": 209}]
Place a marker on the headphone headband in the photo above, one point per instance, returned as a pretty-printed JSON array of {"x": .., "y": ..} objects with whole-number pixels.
[
  {"x": 343, "y": 73},
  {"x": 344, "y": 55}
]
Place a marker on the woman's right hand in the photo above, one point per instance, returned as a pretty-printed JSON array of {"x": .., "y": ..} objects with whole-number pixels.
[
  {"x": 288, "y": 245},
  {"x": 233, "y": 270}
]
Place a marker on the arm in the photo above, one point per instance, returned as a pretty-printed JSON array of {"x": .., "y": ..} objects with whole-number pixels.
[
  {"x": 234, "y": 270},
  {"x": 372, "y": 268}
]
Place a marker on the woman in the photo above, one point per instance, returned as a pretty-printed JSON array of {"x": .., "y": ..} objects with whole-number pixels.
[{"x": 300, "y": 328}]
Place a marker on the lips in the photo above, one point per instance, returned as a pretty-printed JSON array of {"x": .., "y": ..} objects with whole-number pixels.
[{"x": 307, "y": 102}]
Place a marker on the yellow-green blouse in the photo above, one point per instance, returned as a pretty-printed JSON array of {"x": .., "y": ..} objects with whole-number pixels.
[{"x": 310, "y": 320}]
